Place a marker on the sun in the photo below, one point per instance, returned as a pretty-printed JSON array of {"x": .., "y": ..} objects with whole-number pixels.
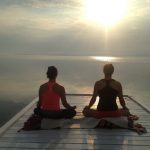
[{"x": 105, "y": 12}]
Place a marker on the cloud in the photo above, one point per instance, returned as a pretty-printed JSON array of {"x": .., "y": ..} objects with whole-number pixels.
[
  {"x": 77, "y": 40},
  {"x": 41, "y": 3},
  {"x": 46, "y": 26},
  {"x": 139, "y": 8},
  {"x": 72, "y": 40},
  {"x": 50, "y": 3},
  {"x": 38, "y": 14}
]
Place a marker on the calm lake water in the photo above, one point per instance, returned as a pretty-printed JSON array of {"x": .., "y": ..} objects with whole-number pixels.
[{"x": 22, "y": 74}]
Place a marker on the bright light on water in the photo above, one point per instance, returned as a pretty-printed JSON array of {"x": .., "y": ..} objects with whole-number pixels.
[{"x": 105, "y": 58}]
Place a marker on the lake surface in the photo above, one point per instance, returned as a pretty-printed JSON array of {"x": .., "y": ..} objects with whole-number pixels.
[{"x": 22, "y": 74}]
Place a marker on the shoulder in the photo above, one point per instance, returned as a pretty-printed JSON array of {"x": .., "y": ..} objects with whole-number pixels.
[
  {"x": 58, "y": 88},
  {"x": 117, "y": 84},
  {"x": 100, "y": 83},
  {"x": 43, "y": 86}
]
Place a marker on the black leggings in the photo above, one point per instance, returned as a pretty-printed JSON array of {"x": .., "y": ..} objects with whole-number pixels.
[{"x": 63, "y": 113}]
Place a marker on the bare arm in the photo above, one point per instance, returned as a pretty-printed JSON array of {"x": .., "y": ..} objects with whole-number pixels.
[
  {"x": 41, "y": 89},
  {"x": 63, "y": 99},
  {"x": 93, "y": 99},
  {"x": 121, "y": 99}
]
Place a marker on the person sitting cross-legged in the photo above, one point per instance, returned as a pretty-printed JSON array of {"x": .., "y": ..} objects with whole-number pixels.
[
  {"x": 50, "y": 94},
  {"x": 107, "y": 90},
  {"x": 107, "y": 111}
]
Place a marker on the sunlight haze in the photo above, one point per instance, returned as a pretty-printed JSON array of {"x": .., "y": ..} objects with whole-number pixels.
[
  {"x": 75, "y": 27},
  {"x": 106, "y": 12}
]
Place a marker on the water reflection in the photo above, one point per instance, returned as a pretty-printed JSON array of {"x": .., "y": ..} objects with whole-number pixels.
[
  {"x": 106, "y": 58},
  {"x": 121, "y": 59}
]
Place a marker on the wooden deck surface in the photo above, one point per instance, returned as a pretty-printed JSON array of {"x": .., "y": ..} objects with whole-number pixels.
[{"x": 75, "y": 139}]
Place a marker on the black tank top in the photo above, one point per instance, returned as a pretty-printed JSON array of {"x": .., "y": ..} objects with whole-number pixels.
[{"x": 107, "y": 97}]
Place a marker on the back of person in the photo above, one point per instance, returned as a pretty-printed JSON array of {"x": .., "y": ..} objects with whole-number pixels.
[
  {"x": 50, "y": 95},
  {"x": 108, "y": 90},
  {"x": 49, "y": 99},
  {"x": 107, "y": 96}
]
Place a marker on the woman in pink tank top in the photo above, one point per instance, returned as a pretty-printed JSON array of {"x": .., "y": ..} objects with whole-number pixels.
[
  {"x": 50, "y": 100},
  {"x": 50, "y": 95}
]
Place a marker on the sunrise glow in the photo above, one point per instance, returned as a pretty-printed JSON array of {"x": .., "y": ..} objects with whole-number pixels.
[{"x": 105, "y": 12}]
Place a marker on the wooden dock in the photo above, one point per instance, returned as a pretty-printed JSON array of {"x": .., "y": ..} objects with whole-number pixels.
[{"x": 75, "y": 139}]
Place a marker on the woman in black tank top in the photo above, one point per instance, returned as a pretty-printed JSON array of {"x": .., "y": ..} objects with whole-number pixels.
[
  {"x": 107, "y": 90},
  {"x": 107, "y": 97}
]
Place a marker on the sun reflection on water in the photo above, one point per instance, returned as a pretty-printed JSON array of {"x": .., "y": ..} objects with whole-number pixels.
[{"x": 105, "y": 58}]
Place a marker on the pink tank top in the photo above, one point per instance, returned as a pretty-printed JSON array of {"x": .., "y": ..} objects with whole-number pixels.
[{"x": 50, "y": 100}]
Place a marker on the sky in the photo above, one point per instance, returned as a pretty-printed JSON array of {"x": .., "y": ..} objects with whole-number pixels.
[{"x": 59, "y": 27}]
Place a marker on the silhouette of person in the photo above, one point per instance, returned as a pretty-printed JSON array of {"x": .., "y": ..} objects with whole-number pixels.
[
  {"x": 107, "y": 90},
  {"x": 50, "y": 94}
]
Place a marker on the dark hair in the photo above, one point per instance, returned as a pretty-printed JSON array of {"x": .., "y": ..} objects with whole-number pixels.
[
  {"x": 52, "y": 72},
  {"x": 108, "y": 69}
]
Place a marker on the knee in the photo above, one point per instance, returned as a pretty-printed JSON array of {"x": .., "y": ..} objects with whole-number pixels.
[
  {"x": 85, "y": 112},
  {"x": 73, "y": 113},
  {"x": 124, "y": 112}
]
